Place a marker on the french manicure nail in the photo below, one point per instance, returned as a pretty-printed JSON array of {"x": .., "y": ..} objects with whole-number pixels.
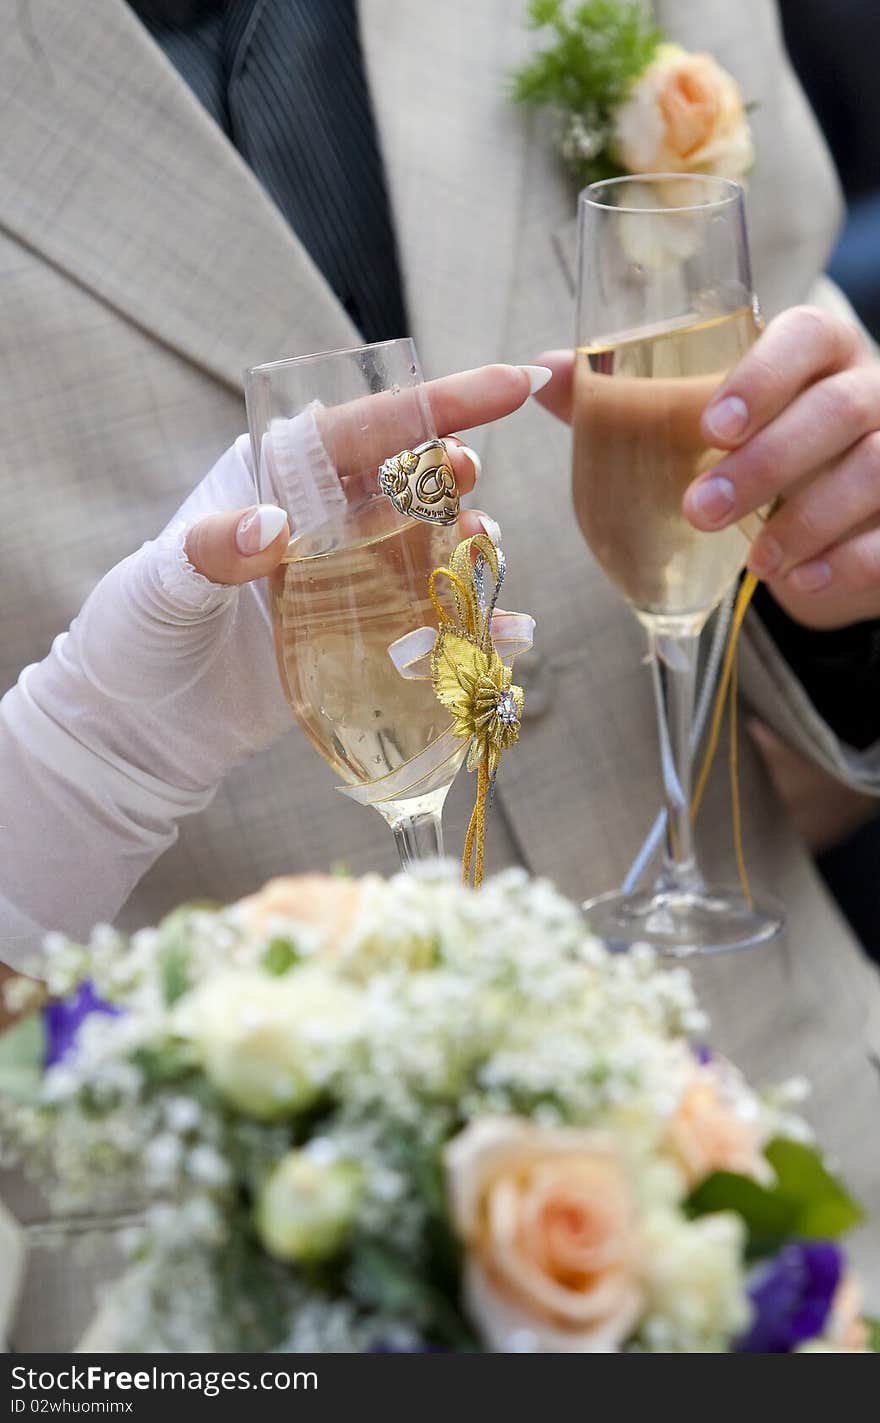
[
  {"x": 766, "y": 557},
  {"x": 474, "y": 459},
  {"x": 713, "y": 499},
  {"x": 538, "y": 377},
  {"x": 259, "y": 527},
  {"x": 811, "y": 577},
  {"x": 728, "y": 418},
  {"x": 492, "y": 528}
]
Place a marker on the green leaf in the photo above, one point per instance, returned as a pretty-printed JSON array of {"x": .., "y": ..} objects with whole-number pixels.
[
  {"x": 282, "y": 954},
  {"x": 767, "y": 1218},
  {"x": 826, "y": 1210},
  {"x": 166, "y": 1062},
  {"x": 174, "y": 953},
  {"x": 804, "y": 1202},
  {"x": 174, "y": 969},
  {"x": 383, "y": 1279},
  {"x": 22, "y": 1055},
  {"x": 873, "y": 1333},
  {"x": 543, "y": 12},
  {"x": 250, "y": 1286},
  {"x": 430, "y": 1178},
  {"x": 391, "y": 1284},
  {"x": 599, "y": 48}
]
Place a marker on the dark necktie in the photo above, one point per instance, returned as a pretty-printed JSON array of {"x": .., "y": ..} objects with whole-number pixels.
[{"x": 286, "y": 81}]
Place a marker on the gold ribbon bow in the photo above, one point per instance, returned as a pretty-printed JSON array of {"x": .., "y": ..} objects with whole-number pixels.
[
  {"x": 727, "y": 691},
  {"x": 470, "y": 679}
]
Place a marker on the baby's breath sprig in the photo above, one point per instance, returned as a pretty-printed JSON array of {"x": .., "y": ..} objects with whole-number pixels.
[{"x": 599, "y": 48}]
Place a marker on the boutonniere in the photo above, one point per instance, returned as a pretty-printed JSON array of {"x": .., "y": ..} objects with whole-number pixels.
[{"x": 629, "y": 102}]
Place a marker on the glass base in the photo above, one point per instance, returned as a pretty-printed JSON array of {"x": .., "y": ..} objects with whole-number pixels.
[{"x": 683, "y": 923}]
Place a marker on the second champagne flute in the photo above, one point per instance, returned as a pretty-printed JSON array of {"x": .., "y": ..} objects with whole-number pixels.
[
  {"x": 355, "y": 576},
  {"x": 665, "y": 309}
]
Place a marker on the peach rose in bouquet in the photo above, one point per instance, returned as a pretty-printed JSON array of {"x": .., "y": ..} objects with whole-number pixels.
[
  {"x": 326, "y": 903},
  {"x": 550, "y": 1229},
  {"x": 711, "y": 1131}
]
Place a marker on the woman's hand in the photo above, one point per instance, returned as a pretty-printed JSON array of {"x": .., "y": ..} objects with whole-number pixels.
[
  {"x": 800, "y": 418},
  {"x": 165, "y": 681},
  {"x": 243, "y": 545},
  {"x": 155, "y": 624}
]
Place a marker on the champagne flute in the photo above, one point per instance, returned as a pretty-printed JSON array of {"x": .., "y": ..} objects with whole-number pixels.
[
  {"x": 665, "y": 309},
  {"x": 354, "y": 579}
]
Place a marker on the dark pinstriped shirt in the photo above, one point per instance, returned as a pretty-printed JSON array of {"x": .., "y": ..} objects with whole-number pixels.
[{"x": 286, "y": 82}]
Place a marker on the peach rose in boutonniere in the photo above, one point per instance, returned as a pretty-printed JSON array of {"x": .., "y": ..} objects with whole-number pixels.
[
  {"x": 685, "y": 114},
  {"x": 625, "y": 100},
  {"x": 548, "y": 1221}
]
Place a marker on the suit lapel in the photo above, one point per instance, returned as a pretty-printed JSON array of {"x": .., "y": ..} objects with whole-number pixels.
[{"x": 131, "y": 188}]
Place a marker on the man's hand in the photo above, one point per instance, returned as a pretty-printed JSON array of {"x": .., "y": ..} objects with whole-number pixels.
[
  {"x": 800, "y": 415},
  {"x": 800, "y": 418}
]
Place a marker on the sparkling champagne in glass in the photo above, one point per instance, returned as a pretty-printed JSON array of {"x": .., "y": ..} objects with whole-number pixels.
[
  {"x": 665, "y": 309},
  {"x": 354, "y": 580}
]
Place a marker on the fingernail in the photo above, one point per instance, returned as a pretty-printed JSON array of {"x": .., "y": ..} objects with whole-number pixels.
[
  {"x": 712, "y": 499},
  {"x": 811, "y": 577},
  {"x": 727, "y": 419},
  {"x": 766, "y": 557},
  {"x": 259, "y": 527},
  {"x": 538, "y": 377},
  {"x": 474, "y": 459},
  {"x": 492, "y": 528}
]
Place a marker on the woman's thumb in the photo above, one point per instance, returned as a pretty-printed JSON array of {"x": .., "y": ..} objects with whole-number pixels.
[{"x": 240, "y": 546}]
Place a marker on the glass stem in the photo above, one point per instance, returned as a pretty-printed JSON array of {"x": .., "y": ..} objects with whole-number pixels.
[
  {"x": 418, "y": 838},
  {"x": 674, "y": 671}
]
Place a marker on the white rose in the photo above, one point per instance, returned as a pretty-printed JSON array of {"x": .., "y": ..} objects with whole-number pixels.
[
  {"x": 684, "y": 115},
  {"x": 696, "y": 1287},
  {"x": 306, "y": 1208},
  {"x": 265, "y": 1042},
  {"x": 547, "y": 1219}
]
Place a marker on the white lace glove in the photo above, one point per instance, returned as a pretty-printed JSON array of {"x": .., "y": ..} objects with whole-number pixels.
[
  {"x": 167, "y": 679},
  {"x": 164, "y": 682}
]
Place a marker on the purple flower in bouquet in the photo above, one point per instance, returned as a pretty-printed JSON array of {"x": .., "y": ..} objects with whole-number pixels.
[
  {"x": 792, "y": 1296},
  {"x": 63, "y": 1020}
]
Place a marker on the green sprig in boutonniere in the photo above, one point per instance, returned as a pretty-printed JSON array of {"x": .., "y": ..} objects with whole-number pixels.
[{"x": 627, "y": 101}]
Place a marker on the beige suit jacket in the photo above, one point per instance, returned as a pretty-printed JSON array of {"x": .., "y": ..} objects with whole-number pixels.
[{"x": 142, "y": 267}]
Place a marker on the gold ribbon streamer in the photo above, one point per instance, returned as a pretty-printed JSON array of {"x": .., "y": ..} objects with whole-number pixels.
[
  {"x": 472, "y": 682},
  {"x": 728, "y": 682}
]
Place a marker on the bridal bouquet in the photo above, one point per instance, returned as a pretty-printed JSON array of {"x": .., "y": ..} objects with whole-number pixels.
[{"x": 402, "y": 1116}]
